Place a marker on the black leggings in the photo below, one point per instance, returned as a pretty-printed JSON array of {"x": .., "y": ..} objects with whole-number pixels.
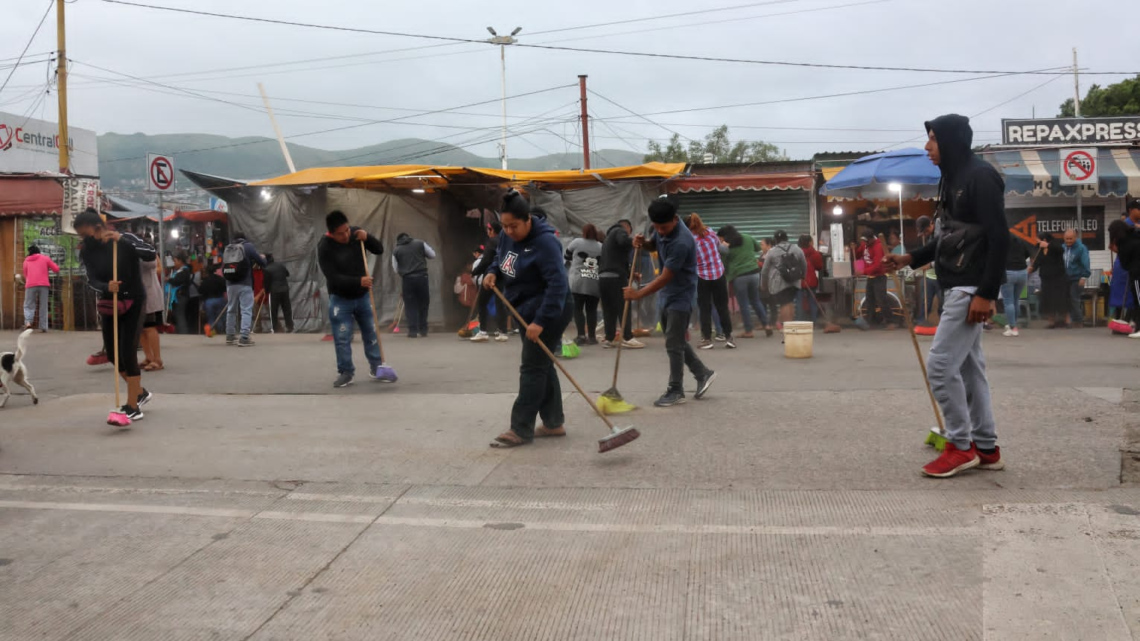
[
  {"x": 484, "y": 304},
  {"x": 1132, "y": 315},
  {"x": 709, "y": 293},
  {"x": 586, "y": 314},
  {"x": 613, "y": 307},
  {"x": 130, "y": 328}
]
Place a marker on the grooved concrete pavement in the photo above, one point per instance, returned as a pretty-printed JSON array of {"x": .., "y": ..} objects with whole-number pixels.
[{"x": 255, "y": 503}]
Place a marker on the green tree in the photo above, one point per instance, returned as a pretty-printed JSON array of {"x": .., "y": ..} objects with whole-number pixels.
[
  {"x": 717, "y": 145},
  {"x": 1120, "y": 99}
]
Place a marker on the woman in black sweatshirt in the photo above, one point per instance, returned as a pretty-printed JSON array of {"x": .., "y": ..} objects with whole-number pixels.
[{"x": 96, "y": 254}]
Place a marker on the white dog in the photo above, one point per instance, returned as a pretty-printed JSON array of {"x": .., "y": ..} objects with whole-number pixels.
[{"x": 12, "y": 370}]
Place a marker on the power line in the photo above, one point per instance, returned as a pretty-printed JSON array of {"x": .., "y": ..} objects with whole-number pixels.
[
  {"x": 554, "y": 47},
  {"x": 51, "y": 3},
  {"x": 663, "y": 17},
  {"x": 675, "y": 133}
]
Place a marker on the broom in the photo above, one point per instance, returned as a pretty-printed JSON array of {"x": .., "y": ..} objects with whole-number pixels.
[
  {"x": 465, "y": 331},
  {"x": 831, "y": 327},
  {"x": 210, "y": 333},
  {"x": 611, "y": 402},
  {"x": 937, "y": 435},
  {"x": 384, "y": 373},
  {"x": 617, "y": 437},
  {"x": 116, "y": 417}
]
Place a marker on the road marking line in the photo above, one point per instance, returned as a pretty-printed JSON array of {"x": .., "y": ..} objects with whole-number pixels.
[{"x": 138, "y": 509}]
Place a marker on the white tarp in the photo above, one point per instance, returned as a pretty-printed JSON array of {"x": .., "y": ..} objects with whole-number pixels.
[{"x": 30, "y": 146}]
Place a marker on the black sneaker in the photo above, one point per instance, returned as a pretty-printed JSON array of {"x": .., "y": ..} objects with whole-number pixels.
[
  {"x": 133, "y": 414},
  {"x": 581, "y": 340},
  {"x": 670, "y": 398},
  {"x": 246, "y": 342},
  {"x": 231, "y": 340},
  {"x": 145, "y": 397},
  {"x": 344, "y": 380},
  {"x": 703, "y": 384},
  {"x": 729, "y": 343}
]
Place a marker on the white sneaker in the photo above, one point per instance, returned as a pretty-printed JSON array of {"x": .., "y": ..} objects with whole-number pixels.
[
  {"x": 481, "y": 337},
  {"x": 1134, "y": 335},
  {"x": 1014, "y": 332},
  {"x": 1008, "y": 331},
  {"x": 632, "y": 343},
  {"x": 501, "y": 337}
]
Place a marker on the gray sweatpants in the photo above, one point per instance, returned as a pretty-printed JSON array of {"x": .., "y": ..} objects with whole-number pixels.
[{"x": 957, "y": 371}]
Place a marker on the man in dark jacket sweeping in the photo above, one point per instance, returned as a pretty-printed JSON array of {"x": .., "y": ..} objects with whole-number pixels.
[
  {"x": 349, "y": 286},
  {"x": 410, "y": 262},
  {"x": 968, "y": 249}
]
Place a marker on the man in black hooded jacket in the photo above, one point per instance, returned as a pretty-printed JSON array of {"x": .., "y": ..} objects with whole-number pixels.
[{"x": 969, "y": 250}]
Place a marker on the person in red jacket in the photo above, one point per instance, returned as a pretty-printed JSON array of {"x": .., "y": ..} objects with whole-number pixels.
[
  {"x": 879, "y": 306},
  {"x": 806, "y": 306}
]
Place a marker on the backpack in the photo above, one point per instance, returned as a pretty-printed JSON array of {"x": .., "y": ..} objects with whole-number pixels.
[
  {"x": 235, "y": 266},
  {"x": 791, "y": 270}
]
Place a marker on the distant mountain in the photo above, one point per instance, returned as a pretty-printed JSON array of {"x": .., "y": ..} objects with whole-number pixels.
[{"x": 122, "y": 157}]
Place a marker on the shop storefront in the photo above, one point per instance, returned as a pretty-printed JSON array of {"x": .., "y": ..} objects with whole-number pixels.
[{"x": 755, "y": 203}]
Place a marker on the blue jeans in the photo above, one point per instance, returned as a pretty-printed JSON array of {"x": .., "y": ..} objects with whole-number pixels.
[
  {"x": 342, "y": 313},
  {"x": 747, "y": 290},
  {"x": 813, "y": 309},
  {"x": 214, "y": 307},
  {"x": 36, "y": 298},
  {"x": 1015, "y": 282},
  {"x": 241, "y": 298}
]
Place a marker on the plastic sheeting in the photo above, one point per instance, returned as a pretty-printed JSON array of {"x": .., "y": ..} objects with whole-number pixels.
[{"x": 603, "y": 206}]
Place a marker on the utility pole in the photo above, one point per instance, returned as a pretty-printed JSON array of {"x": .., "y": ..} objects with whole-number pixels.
[
  {"x": 1077, "y": 112},
  {"x": 64, "y": 147},
  {"x": 585, "y": 124},
  {"x": 61, "y": 78},
  {"x": 503, "y": 41},
  {"x": 276, "y": 129}
]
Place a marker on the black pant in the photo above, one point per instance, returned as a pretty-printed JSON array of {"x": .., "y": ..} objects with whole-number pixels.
[
  {"x": 279, "y": 301},
  {"x": 709, "y": 293},
  {"x": 484, "y": 305},
  {"x": 1133, "y": 313},
  {"x": 878, "y": 304},
  {"x": 539, "y": 390},
  {"x": 676, "y": 323},
  {"x": 130, "y": 329},
  {"x": 613, "y": 305},
  {"x": 586, "y": 315},
  {"x": 180, "y": 312},
  {"x": 417, "y": 296}
]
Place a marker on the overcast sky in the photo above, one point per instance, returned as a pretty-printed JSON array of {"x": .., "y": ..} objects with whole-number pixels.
[{"x": 364, "y": 79}]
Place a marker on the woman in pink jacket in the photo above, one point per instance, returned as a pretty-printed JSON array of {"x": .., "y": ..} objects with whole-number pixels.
[{"x": 37, "y": 287}]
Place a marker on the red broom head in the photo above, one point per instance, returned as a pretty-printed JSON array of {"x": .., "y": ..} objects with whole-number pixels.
[{"x": 617, "y": 439}]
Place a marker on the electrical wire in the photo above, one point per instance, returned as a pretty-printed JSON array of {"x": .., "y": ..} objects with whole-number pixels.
[
  {"x": 646, "y": 119},
  {"x": 51, "y": 3},
  {"x": 555, "y": 47}
]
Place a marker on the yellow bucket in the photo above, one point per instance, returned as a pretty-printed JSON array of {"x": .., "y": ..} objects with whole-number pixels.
[{"x": 798, "y": 338}]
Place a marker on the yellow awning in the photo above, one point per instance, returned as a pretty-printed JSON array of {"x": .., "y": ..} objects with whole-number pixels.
[
  {"x": 416, "y": 175},
  {"x": 830, "y": 172}
]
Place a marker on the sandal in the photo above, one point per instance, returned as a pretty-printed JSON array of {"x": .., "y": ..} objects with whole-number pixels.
[
  {"x": 153, "y": 367},
  {"x": 508, "y": 439},
  {"x": 546, "y": 432},
  {"x": 144, "y": 364}
]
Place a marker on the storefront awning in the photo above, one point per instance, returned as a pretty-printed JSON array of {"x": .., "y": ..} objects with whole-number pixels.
[
  {"x": 745, "y": 182},
  {"x": 417, "y": 176},
  {"x": 1036, "y": 172},
  {"x": 30, "y": 195}
]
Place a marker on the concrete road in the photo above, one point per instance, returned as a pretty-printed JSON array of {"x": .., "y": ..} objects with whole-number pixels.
[{"x": 256, "y": 502}]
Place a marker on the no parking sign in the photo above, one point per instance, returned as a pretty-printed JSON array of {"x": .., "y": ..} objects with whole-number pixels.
[{"x": 1079, "y": 167}]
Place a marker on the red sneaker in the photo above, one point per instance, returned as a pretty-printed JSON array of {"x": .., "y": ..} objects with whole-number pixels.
[
  {"x": 952, "y": 461},
  {"x": 991, "y": 461}
]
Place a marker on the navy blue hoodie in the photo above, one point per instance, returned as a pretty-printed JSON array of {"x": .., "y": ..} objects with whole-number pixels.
[{"x": 532, "y": 275}]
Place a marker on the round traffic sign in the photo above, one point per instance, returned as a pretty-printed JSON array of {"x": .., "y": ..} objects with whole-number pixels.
[
  {"x": 161, "y": 173},
  {"x": 1079, "y": 165}
]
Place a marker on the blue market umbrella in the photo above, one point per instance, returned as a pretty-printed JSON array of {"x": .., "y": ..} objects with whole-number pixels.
[{"x": 881, "y": 176}]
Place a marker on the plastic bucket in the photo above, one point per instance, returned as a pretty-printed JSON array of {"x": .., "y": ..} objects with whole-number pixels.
[{"x": 798, "y": 338}]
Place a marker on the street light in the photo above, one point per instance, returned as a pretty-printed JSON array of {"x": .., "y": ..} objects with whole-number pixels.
[
  {"x": 503, "y": 41},
  {"x": 838, "y": 211},
  {"x": 897, "y": 187}
]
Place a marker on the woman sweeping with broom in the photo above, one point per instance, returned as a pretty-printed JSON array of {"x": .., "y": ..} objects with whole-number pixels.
[
  {"x": 121, "y": 293},
  {"x": 529, "y": 269}
]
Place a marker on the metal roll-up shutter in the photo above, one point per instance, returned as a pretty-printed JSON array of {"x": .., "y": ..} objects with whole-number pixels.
[{"x": 758, "y": 213}]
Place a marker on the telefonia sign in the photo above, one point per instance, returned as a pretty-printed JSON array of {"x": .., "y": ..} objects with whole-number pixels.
[
  {"x": 28, "y": 145},
  {"x": 1070, "y": 131}
]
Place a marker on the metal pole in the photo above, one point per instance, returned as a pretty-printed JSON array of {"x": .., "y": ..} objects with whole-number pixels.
[
  {"x": 1077, "y": 112},
  {"x": 503, "y": 144},
  {"x": 161, "y": 255},
  {"x": 276, "y": 129},
  {"x": 902, "y": 228},
  {"x": 61, "y": 77},
  {"x": 585, "y": 123}
]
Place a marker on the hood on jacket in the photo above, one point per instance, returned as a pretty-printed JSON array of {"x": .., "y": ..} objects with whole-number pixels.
[
  {"x": 954, "y": 136},
  {"x": 36, "y": 258},
  {"x": 403, "y": 239},
  {"x": 538, "y": 227}
]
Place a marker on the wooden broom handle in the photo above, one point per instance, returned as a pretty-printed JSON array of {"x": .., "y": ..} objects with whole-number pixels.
[
  {"x": 624, "y": 315},
  {"x": 372, "y": 301}
]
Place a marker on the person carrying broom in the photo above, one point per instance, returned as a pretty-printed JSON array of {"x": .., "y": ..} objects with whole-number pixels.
[
  {"x": 350, "y": 289},
  {"x": 530, "y": 271},
  {"x": 969, "y": 251}
]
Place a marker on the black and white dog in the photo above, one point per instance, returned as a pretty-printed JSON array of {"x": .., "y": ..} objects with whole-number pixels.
[{"x": 12, "y": 370}]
